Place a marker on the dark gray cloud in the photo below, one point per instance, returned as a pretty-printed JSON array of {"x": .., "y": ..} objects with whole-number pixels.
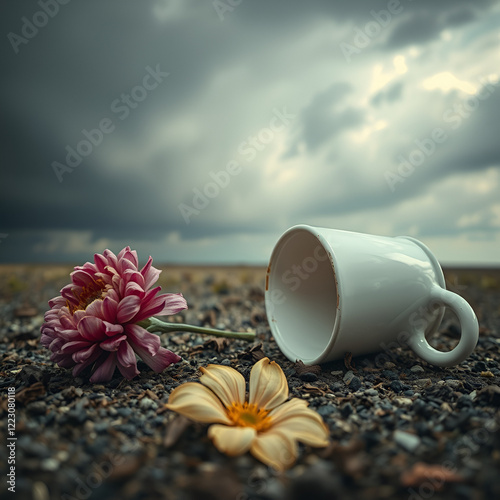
[{"x": 225, "y": 78}]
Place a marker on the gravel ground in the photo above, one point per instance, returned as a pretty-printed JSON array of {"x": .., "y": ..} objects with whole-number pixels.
[{"x": 400, "y": 428}]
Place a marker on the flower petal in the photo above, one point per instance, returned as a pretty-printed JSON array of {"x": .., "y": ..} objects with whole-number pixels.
[
  {"x": 150, "y": 274},
  {"x": 91, "y": 328},
  {"x": 232, "y": 441},
  {"x": 140, "y": 339},
  {"x": 160, "y": 360},
  {"x": 84, "y": 354},
  {"x": 105, "y": 370},
  {"x": 274, "y": 449},
  {"x": 129, "y": 372},
  {"x": 174, "y": 304},
  {"x": 299, "y": 422},
  {"x": 227, "y": 383},
  {"x": 128, "y": 308},
  {"x": 126, "y": 355},
  {"x": 113, "y": 343},
  {"x": 197, "y": 402},
  {"x": 268, "y": 385}
]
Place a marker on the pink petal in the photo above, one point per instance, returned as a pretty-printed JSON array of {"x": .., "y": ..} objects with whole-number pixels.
[
  {"x": 174, "y": 303},
  {"x": 105, "y": 370},
  {"x": 128, "y": 308},
  {"x": 109, "y": 309},
  {"x": 139, "y": 338},
  {"x": 133, "y": 288},
  {"x": 57, "y": 302},
  {"x": 112, "y": 329},
  {"x": 81, "y": 366},
  {"x": 112, "y": 344},
  {"x": 110, "y": 257},
  {"x": 75, "y": 346},
  {"x": 92, "y": 328},
  {"x": 100, "y": 262},
  {"x": 81, "y": 278},
  {"x": 150, "y": 274},
  {"x": 126, "y": 355},
  {"x": 129, "y": 372},
  {"x": 160, "y": 360},
  {"x": 94, "y": 308},
  {"x": 83, "y": 354}
]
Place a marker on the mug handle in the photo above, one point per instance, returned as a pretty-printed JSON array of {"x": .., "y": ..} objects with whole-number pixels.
[{"x": 468, "y": 338}]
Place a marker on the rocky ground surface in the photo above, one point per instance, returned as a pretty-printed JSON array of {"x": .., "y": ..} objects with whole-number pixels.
[{"x": 400, "y": 428}]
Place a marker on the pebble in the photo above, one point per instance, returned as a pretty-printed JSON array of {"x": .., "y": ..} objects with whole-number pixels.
[
  {"x": 147, "y": 403},
  {"x": 355, "y": 384},
  {"x": 409, "y": 442},
  {"x": 390, "y": 374},
  {"x": 346, "y": 410},
  {"x": 327, "y": 410},
  {"x": 396, "y": 386},
  {"x": 348, "y": 377},
  {"x": 308, "y": 377},
  {"x": 37, "y": 407},
  {"x": 371, "y": 392},
  {"x": 49, "y": 464},
  {"x": 454, "y": 384},
  {"x": 417, "y": 369},
  {"x": 423, "y": 382},
  {"x": 226, "y": 362}
]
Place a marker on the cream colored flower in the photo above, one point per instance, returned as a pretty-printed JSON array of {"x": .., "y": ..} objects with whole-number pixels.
[{"x": 266, "y": 424}]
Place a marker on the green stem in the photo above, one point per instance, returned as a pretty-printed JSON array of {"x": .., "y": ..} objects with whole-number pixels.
[{"x": 153, "y": 325}]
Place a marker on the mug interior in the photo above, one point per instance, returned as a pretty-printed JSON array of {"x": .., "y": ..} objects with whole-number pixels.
[{"x": 301, "y": 296}]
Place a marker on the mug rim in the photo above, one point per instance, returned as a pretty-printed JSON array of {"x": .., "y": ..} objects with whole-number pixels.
[{"x": 332, "y": 260}]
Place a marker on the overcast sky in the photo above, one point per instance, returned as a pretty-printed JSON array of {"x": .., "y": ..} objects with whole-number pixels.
[{"x": 200, "y": 131}]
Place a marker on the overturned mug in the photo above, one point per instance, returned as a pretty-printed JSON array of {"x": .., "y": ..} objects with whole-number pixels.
[{"x": 329, "y": 292}]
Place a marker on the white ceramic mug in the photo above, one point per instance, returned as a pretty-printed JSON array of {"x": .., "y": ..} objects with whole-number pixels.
[{"x": 329, "y": 292}]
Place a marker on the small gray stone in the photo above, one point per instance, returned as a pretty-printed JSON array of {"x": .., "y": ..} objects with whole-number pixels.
[
  {"x": 348, "y": 377},
  {"x": 454, "y": 384},
  {"x": 423, "y": 382},
  {"x": 147, "y": 403},
  {"x": 49, "y": 464},
  {"x": 355, "y": 384},
  {"x": 409, "y": 442},
  {"x": 226, "y": 362},
  {"x": 371, "y": 392},
  {"x": 416, "y": 369}
]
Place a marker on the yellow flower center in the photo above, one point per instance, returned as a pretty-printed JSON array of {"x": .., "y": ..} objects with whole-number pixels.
[
  {"x": 249, "y": 415},
  {"x": 93, "y": 291}
]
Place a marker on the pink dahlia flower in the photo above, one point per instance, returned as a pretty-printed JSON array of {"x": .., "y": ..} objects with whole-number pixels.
[{"x": 93, "y": 323}]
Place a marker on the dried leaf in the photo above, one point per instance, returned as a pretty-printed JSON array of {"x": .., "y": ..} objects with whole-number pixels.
[
  {"x": 30, "y": 393},
  {"x": 348, "y": 361},
  {"x": 253, "y": 353},
  {"x": 436, "y": 474},
  {"x": 300, "y": 368},
  {"x": 314, "y": 390},
  {"x": 216, "y": 343}
]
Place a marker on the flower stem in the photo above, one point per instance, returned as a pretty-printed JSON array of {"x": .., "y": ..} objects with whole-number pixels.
[{"x": 153, "y": 325}]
